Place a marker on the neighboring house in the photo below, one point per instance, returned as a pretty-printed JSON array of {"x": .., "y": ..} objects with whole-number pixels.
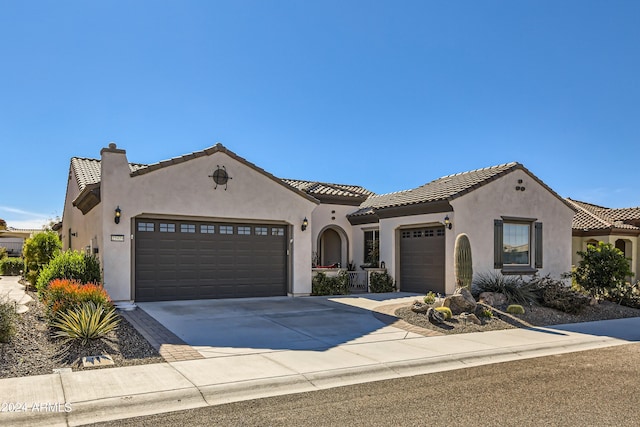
[
  {"x": 12, "y": 239},
  {"x": 212, "y": 225},
  {"x": 593, "y": 224}
]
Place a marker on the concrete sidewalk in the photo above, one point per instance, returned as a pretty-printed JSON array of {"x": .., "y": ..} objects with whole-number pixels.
[
  {"x": 78, "y": 398},
  {"x": 11, "y": 289}
]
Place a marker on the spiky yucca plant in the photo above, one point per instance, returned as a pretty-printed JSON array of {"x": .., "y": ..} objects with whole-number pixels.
[{"x": 86, "y": 322}]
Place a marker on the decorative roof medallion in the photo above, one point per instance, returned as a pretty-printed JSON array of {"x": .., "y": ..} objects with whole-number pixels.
[{"x": 220, "y": 177}]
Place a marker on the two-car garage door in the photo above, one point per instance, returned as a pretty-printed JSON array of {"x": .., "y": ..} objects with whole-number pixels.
[{"x": 177, "y": 260}]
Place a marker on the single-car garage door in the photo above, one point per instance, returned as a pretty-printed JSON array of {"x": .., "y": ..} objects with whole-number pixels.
[
  {"x": 422, "y": 260},
  {"x": 179, "y": 260}
]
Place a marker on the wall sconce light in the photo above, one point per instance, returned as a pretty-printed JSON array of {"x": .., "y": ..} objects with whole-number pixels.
[
  {"x": 117, "y": 217},
  {"x": 74, "y": 234},
  {"x": 305, "y": 223},
  {"x": 447, "y": 222}
]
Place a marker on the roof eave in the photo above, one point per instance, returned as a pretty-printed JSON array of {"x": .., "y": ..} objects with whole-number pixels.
[{"x": 88, "y": 198}]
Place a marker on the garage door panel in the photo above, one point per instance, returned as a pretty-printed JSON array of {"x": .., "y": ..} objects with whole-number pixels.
[
  {"x": 208, "y": 264},
  {"x": 422, "y": 260}
]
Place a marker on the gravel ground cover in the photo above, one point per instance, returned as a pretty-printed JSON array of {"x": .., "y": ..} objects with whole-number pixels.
[
  {"x": 34, "y": 351},
  {"x": 534, "y": 316}
]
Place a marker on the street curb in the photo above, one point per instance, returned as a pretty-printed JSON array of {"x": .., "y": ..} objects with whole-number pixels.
[{"x": 134, "y": 405}]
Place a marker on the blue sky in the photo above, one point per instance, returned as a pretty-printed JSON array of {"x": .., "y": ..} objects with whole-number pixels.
[{"x": 384, "y": 94}]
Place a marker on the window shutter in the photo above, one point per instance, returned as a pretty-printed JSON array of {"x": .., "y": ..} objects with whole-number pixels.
[
  {"x": 497, "y": 243},
  {"x": 538, "y": 244}
]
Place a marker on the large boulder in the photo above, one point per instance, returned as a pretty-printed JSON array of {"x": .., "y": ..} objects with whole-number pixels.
[
  {"x": 435, "y": 316},
  {"x": 461, "y": 302},
  {"x": 494, "y": 299}
]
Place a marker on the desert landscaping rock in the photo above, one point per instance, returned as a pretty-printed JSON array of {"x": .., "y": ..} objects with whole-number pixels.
[
  {"x": 461, "y": 301},
  {"x": 435, "y": 316},
  {"x": 34, "y": 351},
  {"x": 492, "y": 298},
  {"x": 534, "y": 316}
]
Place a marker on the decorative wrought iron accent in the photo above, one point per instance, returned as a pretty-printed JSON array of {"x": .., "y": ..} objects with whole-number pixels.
[{"x": 220, "y": 177}]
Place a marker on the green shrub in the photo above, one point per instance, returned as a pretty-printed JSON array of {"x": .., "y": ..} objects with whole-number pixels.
[
  {"x": 70, "y": 265},
  {"x": 11, "y": 266},
  {"x": 321, "y": 284},
  {"x": 381, "y": 282},
  {"x": 64, "y": 294},
  {"x": 602, "y": 269},
  {"x": 86, "y": 322},
  {"x": 513, "y": 287},
  {"x": 3, "y": 253},
  {"x": 446, "y": 311},
  {"x": 38, "y": 250},
  {"x": 8, "y": 317},
  {"x": 430, "y": 298},
  {"x": 515, "y": 309},
  {"x": 486, "y": 312}
]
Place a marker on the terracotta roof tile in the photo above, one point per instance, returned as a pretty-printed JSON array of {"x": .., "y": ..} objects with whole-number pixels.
[
  {"x": 322, "y": 188},
  {"x": 593, "y": 217},
  {"x": 445, "y": 188},
  {"x": 87, "y": 171}
]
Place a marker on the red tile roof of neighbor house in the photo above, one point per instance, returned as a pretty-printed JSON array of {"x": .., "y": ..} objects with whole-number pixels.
[{"x": 593, "y": 217}]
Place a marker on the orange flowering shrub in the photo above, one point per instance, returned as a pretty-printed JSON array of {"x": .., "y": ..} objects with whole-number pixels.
[{"x": 65, "y": 294}]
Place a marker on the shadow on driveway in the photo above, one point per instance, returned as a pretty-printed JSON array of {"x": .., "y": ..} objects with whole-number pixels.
[{"x": 247, "y": 325}]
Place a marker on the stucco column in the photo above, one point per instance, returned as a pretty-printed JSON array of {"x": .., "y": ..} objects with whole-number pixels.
[{"x": 116, "y": 237}]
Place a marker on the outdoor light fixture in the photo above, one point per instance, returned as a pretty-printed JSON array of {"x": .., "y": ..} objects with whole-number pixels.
[
  {"x": 447, "y": 222},
  {"x": 117, "y": 217},
  {"x": 304, "y": 224}
]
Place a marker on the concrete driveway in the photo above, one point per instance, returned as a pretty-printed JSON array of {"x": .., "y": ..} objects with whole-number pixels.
[{"x": 255, "y": 325}]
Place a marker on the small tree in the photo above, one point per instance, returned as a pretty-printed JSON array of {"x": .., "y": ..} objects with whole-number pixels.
[
  {"x": 38, "y": 250},
  {"x": 602, "y": 269}
]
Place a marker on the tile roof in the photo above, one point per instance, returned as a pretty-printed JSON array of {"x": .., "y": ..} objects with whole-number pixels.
[
  {"x": 87, "y": 171},
  {"x": 445, "y": 188},
  {"x": 625, "y": 214},
  {"x": 322, "y": 188},
  {"x": 593, "y": 217}
]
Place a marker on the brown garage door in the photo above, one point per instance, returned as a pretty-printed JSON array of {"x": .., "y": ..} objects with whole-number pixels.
[
  {"x": 178, "y": 260},
  {"x": 422, "y": 260}
]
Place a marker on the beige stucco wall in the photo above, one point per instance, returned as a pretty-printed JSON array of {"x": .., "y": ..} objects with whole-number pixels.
[
  {"x": 86, "y": 227},
  {"x": 390, "y": 245},
  {"x": 335, "y": 217},
  {"x": 476, "y": 211},
  {"x": 474, "y": 214},
  {"x": 185, "y": 190}
]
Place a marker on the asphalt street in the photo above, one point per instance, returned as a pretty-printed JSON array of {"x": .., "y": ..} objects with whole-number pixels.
[{"x": 589, "y": 388}]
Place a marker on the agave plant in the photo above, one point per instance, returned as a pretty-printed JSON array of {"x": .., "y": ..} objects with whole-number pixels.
[{"x": 86, "y": 322}]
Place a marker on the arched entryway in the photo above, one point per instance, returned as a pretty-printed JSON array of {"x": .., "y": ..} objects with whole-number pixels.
[
  {"x": 625, "y": 246},
  {"x": 332, "y": 247}
]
